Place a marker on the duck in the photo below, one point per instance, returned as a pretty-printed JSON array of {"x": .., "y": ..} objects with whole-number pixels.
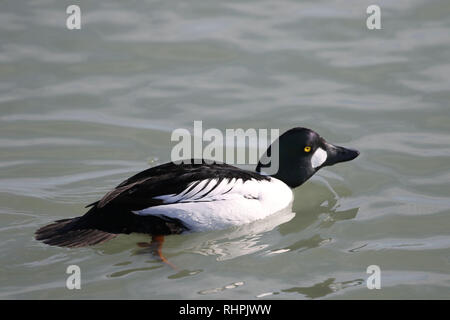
[{"x": 198, "y": 195}]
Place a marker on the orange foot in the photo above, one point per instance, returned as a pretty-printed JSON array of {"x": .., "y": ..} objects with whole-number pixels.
[{"x": 157, "y": 243}]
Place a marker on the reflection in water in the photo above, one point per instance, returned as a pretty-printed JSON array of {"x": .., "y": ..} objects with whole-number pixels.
[
  {"x": 125, "y": 263},
  {"x": 304, "y": 244},
  {"x": 324, "y": 288},
  {"x": 220, "y": 289},
  {"x": 224, "y": 244},
  {"x": 357, "y": 248},
  {"x": 335, "y": 216},
  {"x": 314, "y": 200},
  {"x": 266, "y": 294},
  {"x": 184, "y": 273},
  {"x": 319, "y": 212},
  {"x": 232, "y": 243},
  {"x": 128, "y": 271}
]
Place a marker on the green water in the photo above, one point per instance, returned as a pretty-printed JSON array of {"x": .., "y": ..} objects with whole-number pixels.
[{"x": 81, "y": 110}]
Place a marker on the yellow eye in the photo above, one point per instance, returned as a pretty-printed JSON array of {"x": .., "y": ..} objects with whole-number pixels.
[{"x": 307, "y": 149}]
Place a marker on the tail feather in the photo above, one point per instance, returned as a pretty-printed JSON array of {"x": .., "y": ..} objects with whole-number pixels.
[{"x": 66, "y": 233}]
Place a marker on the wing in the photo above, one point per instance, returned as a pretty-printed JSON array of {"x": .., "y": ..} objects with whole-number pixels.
[{"x": 171, "y": 183}]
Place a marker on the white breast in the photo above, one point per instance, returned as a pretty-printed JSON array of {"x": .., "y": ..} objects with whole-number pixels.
[{"x": 207, "y": 205}]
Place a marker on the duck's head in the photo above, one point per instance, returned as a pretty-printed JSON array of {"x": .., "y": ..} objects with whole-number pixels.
[{"x": 301, "y": 153}]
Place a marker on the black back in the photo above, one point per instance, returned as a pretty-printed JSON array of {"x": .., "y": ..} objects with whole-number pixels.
[{"x": 113, "y": 213}]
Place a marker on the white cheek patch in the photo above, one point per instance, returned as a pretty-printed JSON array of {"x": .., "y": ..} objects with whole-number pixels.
[{"x": 318, "y": 158}]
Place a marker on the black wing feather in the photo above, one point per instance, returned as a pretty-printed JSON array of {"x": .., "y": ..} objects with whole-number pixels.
[{"x": 137, "y": 192}]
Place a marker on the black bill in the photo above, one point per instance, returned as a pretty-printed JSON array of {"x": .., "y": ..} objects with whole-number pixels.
[{"x": 336, "y": 154}]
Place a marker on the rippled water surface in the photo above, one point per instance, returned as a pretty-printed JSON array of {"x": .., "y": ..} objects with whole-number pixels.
[{"x": 82, "y": 110}]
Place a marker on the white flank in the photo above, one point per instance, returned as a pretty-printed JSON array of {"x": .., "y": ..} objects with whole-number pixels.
[
  {"x": 318, "y": 158},
  {"x": 231, "y": 203}
]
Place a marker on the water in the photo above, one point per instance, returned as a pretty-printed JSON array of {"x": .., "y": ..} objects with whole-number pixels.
[{"x": 82, "y": 110}]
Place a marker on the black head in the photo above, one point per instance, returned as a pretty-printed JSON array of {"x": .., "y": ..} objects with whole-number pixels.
[{"x": 301, "y": 153}]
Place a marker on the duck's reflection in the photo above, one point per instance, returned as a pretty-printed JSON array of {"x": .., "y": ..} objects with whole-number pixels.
[
  {"x": 318, "y": 206},
  {"x": 232, "y": 243},
  {"x": 324, "y": 288}
]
